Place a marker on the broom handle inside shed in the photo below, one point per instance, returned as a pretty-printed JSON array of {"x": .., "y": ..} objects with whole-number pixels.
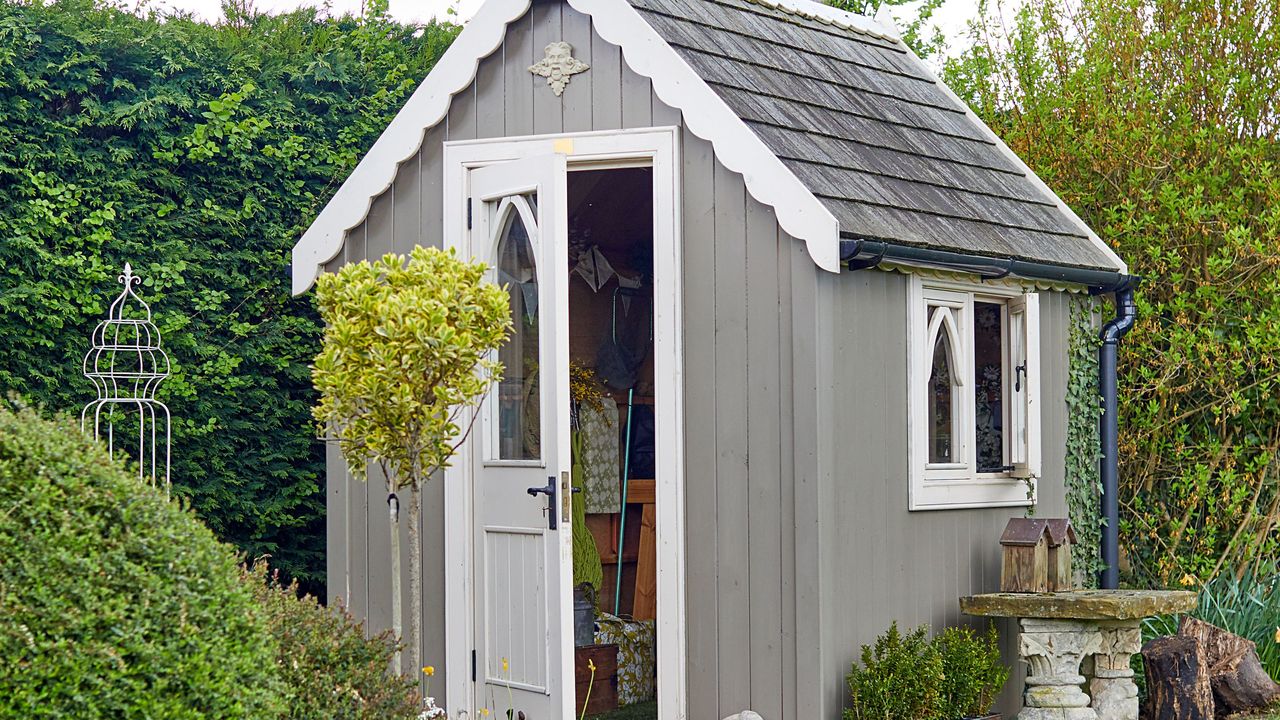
[{"x": 622, "y": 527}]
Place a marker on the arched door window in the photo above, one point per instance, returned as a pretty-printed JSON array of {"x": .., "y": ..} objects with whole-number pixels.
[{"x": 519, "y": 415}]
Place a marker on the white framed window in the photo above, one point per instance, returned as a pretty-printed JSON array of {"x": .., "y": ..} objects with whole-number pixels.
[{"x": 973, "y": 394}]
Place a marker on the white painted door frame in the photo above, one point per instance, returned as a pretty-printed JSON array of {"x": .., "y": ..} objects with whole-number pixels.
[{"x": 660, "y": 149}]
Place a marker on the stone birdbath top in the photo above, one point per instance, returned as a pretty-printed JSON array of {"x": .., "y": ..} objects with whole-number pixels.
[
  {"x": 1081, "y": 604},
  {"x": 1061, "y": 630}
]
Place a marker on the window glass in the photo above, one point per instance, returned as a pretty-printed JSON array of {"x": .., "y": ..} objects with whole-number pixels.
[
  {"x": 518, "y": 407},
  {"x": 941, "y": 409},
  {"x": 989, "y": 390}
]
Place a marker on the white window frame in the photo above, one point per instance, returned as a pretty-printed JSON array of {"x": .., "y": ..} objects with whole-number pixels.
[{"x": 958, "y": 484}]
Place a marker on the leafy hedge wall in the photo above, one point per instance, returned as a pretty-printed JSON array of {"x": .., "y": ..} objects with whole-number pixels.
[
  {"x": 1156, "y": 120},
  {"x": 198, "y": 153}
]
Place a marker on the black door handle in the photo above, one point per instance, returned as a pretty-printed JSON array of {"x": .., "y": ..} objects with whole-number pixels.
[{"x": 550, "y": 490}]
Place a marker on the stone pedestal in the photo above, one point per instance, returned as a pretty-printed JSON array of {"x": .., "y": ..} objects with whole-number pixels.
[
  {"x": 1060, "y": 631},
  {"x": 1115, "y": 695},
  {"x": 1053, "y": 650}
]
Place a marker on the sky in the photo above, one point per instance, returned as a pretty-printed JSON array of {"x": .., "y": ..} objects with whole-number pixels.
[{"x": 951, "y": 17}]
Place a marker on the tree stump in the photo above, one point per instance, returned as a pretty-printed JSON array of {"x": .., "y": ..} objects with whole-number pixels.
[
  {"x": 1239, "y": 682},
  {"x": 1177, "y": 679}
]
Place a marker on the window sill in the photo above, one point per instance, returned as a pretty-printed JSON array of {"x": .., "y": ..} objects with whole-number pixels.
[{"x": 981, "y": 491}]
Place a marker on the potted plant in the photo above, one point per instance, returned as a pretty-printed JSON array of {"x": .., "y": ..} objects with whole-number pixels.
[
  {"x": 972, "y": 673},
  {"x": 900, "y": 679}
]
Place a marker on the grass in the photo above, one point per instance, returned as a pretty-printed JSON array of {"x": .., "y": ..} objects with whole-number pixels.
[{"x": 639, "y": 711}]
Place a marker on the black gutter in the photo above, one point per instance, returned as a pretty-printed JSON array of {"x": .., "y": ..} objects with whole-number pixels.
[{"x": 861, "y": 254}]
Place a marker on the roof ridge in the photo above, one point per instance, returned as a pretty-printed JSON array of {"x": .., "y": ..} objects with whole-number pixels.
[{"x": 829, "y": 15}]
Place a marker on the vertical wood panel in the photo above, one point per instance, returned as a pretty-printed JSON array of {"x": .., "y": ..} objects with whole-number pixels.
[
  {"x": 700, "y": 422},
  {"x": 431, "y": 189},
  {"x": 577, "y": 98},
  {"x": 547, "y": 108},
  {"x": 491, "y": 97},
  {"x": 462, "y": 115},
  {"x": 407, "y": 209},
  {"x": 607, "y": 68},
  {"x": 764, "y": 497},
  {"x": 731, "y": 391},
  {"x": 786, "y": 477},
  {"x": 637, "y": 99},
  {"x": 337, "y": 499},
  {"x": 379, "y": 239},
  {"x": 358, "y": 509},
  {"x": 518, "y": 50}
]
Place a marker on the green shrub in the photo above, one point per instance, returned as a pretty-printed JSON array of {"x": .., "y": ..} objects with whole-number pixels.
[
  {"x": 900, "y": 679},
  {"x": 1248, "y": 606},
  {"x": 972, "y": 671},
  {"x": 115, "y": 602},
  {"x": 330, "y": 669}
]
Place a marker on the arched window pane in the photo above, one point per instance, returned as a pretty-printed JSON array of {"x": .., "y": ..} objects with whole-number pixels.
[
  {"x": 988, "y": 350},
  {"x": 940, "y": 402},
  {"x": 519, "y": 410}
]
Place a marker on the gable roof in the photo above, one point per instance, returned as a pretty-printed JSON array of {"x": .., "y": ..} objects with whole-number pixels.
[{"x": 828, "y": 116}]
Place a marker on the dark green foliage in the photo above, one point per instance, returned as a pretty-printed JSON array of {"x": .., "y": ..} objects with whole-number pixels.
[
  {"x": 1249, "y": 607},
  {"x": 115, "y": 602},
  {"x": 1156, "y": 121},
  {"x": 900, "y": 679},
  {"x": 330, "y": 669},
  {"x": 199, "y": 154},
  {"x": 1084, "y": 486},
  {"x": 972, "y": 672}
]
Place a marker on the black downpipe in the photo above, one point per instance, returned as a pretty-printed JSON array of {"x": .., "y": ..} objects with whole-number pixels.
[
  {"x": 1109, "y": 431},
  {"x": 860, "y": 254}
]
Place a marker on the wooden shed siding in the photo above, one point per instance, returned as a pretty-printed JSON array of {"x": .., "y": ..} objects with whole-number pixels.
[{"x": 880, "y": 562}]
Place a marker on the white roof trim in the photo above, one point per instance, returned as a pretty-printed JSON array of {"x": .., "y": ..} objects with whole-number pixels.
[
  {"x": 1018, "y": 163},
  {"x": 402, "y": 139},
  {"x": 706, "y": 115}
]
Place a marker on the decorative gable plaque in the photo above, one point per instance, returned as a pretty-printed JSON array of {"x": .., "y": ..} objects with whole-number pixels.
[{"x": 558, "y": 66}]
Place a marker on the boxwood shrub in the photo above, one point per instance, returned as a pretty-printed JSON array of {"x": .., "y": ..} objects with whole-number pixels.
[{"x": 114, "y": 601}]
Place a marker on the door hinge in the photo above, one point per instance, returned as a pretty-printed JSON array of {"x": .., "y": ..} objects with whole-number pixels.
[
  {"x": 469, "y": 204},
  {"x": 473, "y": 666}
]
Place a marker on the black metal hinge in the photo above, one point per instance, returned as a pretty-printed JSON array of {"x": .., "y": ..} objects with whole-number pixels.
[
  {"x": 468, "y": 213},
  {"x": 473, "y": 666}
]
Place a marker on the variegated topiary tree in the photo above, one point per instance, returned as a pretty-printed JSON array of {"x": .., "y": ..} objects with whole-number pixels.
[{"x": 406, "y": 356}]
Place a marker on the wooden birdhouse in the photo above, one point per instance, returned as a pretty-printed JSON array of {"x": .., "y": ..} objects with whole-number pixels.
[{"x": 1036, "y": 555}]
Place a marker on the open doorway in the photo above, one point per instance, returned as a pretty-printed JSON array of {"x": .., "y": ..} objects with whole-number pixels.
[{"x": 613, "y": 439}]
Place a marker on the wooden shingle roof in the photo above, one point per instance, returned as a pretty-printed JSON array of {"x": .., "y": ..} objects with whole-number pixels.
[{"x": 869, "y": 130}]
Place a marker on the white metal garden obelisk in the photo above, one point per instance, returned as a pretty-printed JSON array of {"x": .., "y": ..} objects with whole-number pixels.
[{"x": 126, "y": 365}]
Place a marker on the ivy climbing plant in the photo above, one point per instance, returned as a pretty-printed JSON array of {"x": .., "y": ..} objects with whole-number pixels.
[{"x": 1083, "y": 452}]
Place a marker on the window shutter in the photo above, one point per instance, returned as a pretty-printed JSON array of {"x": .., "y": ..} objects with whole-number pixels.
[{"x": 1024, "y": 356}]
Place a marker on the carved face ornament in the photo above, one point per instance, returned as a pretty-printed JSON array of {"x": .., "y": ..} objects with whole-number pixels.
[{"x": 558, "y": 66}]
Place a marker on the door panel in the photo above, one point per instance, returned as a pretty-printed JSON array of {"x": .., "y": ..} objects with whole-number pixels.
[{"x": 522, "y": 553}]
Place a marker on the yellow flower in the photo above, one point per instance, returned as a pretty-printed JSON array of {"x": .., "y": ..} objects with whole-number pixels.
[
  {"x": 484, "y": 712},
  {"x": 1278, "y": 634},
  {"x": 429, "y": 670},
  {"x": 1188, "y": 580},
  {"x": 591, "y": 664},
  {"x": 505, "y": 666}
]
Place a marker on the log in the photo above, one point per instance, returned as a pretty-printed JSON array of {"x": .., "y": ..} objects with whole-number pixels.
[
  {"x": 1177, "y": 679},
  {"x": 1239, "y": 682}
]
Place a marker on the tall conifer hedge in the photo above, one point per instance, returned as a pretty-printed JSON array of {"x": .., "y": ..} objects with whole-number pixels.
[{"x": 199, "y": 153}]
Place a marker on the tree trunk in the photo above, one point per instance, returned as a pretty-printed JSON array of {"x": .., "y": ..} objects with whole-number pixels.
[
  {"x": 415, "y": 575},
  {"x": 397, "y": 619},
  {"x": 1239, "y": 682},
  {"x": 1177, "y": 679}
]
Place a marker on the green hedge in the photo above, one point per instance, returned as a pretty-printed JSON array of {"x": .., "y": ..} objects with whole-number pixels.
[
  {"x": 115, "y": 602},
  {"x": 199, "y": 154}
]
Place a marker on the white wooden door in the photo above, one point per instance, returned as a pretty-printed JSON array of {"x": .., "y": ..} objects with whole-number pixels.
[{"x": 522, "y": 552}]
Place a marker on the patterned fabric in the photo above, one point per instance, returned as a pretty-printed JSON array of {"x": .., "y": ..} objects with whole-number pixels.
[
  {"x": 600, "y": 474},
  {"x": 637, "y": 656}
]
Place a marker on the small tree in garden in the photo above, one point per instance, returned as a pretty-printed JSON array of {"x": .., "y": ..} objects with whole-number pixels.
[{"x": 404, "y": 358}]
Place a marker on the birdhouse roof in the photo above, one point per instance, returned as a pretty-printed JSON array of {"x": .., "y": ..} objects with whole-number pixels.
[{"x": 1030, "y": 531}]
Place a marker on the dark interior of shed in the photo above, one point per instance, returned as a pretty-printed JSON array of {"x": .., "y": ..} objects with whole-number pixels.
[{"x": 612, "y": 430}]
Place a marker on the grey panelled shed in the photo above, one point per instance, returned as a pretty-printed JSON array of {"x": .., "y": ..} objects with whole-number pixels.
[{"x": 850, "y": 443}]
